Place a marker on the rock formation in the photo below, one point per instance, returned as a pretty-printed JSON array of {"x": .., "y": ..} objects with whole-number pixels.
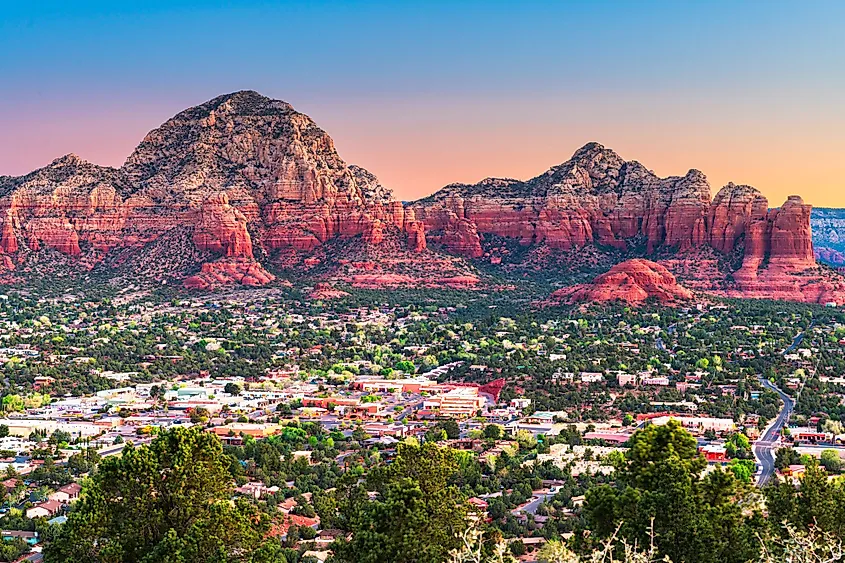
[
  {"x": 228, "y": 190},
  {"x": 632, "y": 281},
  {"x": 240, "y": 171},
  {"x": 593, "y": 198},
  {"x": 598, "y": 199}
]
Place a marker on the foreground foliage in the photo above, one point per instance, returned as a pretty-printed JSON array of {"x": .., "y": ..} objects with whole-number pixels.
[
  {"x": 417, "y": 516},
  {"x": 166, "y": 502},
  {"x": 660, "y": 485}
]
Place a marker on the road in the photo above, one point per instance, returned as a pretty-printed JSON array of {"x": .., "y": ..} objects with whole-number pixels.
[
  {"x": 531, "y": 507},
  {"x": 764, "y": 447}
]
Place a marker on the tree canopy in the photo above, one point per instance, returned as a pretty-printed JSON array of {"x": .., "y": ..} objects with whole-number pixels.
[
  {"x": 660, "y": 484},
  {"x": 165, "y": 502}
]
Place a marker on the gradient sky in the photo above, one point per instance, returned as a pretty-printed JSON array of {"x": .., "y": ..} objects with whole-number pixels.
[{"x": 428, "y": 93}]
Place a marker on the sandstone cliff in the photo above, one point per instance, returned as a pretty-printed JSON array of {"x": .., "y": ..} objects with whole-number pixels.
[
  {"x": 241, "y": 172},
  {"x": 597, "y": 199},
  {"x": 593, "y": 198},
  {"x": 242, "y": 185}
]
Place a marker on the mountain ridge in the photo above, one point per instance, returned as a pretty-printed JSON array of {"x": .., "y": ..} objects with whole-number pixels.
[{"x": 251, "y": 182}]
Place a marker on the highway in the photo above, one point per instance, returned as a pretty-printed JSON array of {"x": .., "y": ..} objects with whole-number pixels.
[{"x": 764, "y": 447}]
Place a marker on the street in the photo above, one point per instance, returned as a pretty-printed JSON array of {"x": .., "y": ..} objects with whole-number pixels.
[{"x": 763, "y": 448}]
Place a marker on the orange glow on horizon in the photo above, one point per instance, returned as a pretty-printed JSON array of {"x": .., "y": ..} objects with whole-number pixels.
[{"x": 418, "y": 146}]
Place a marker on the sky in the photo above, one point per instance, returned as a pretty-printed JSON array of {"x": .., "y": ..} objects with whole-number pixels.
[{"x": 424, "y": 94}]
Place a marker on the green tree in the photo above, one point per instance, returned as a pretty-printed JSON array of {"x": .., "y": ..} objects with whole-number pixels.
[
  {"x": 694, "y": 518},
  {"x": 406, "y": 366},
  {"x": 12, "y": 403},
  {"x": 742, "y": 469},
  {"x": 816, "y": 503},
  {"x": 168, "y": 501},
  {"x": 417, "y": 515},
  {"x": 831, "y": 461},
  {"x": 493, "y": 432},
  {"x": 453, "y": 431},
  {"x": 785, "y": 457},
  {"x": 232, "y": 388},
  {"x": 199, "y": 415}
]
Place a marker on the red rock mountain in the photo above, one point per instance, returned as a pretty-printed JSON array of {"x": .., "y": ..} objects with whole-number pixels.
[
  {"x": 632, "y": 281},
  {"x": 238, "y": 175},
  {"x": 242, "y": 185},
  {"x": 597, "y": 199},
  {"x": 593, "y": 198}
]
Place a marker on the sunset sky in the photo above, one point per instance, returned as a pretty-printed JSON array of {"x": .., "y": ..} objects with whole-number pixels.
[{"x": 428, "y": 93}]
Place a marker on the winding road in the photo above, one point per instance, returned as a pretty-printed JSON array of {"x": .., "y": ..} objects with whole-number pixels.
[{"x": 764, "y": 447}]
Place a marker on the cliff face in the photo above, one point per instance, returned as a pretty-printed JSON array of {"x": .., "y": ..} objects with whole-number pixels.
[
  {"x": 597, "y": 198},
  {"x": 223, "y": 191},
  {"x": 240, "y": 171},
  {"x": 62, "y": 205}
]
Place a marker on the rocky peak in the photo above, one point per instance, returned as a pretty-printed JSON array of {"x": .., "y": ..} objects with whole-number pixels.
[
  {"x": 371, "y": 188},
  {"x": 732, "y": 191},
  {"x": 795, "y": 200},
  {"x": 593, "y": 168},
  {"x": 70, "y": 159},
  {"x": 241, "y": 142},
  {"x": 69, "y": 172}
]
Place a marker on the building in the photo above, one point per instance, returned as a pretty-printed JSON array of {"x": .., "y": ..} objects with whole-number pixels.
[
  {"x": 540, "y": 417},
  {"x": 659, "y": 381},
  {"x": 520, "y": 403},
  {"x": 67, "y": 494},
  {"x": 44, "y": 509},
  {"x": 247, "y": 429},
  {"x": 807, "y": 436},
  {"x": 714, "y": 453},
  {"x": 624, "y": 379},
  {"x": 460, "y": 402},
  {"x": 699, "y": 424}
]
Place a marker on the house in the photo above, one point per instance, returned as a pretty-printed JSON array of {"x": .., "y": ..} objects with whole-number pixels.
[
  {"x": 280, "y": 530},
  {"x": 796, "y": 470},
  {"x": 66, "y": 494},
  {"x": 44, "y": 509},
  {"x": 624, "y": 379},
  {"x": 591, "y": 377},
  {"x": 540, "y": 417},
  {"x": 10, "y": 485},
  {"x": 479, "y": 504},
  {"x": 256, "y": 490},
  {"x": 521, "y": 403}
]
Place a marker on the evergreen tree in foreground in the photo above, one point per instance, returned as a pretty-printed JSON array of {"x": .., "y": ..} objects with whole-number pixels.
[{"x": 165, "y": 502}]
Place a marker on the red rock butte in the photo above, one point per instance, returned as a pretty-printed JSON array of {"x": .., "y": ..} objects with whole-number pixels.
[
  {"x": 633, "y": 281},
  {"x": 226, "y": 192}
]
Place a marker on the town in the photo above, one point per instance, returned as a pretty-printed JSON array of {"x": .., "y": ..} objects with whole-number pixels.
[{"x": 543, "y": 403}]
